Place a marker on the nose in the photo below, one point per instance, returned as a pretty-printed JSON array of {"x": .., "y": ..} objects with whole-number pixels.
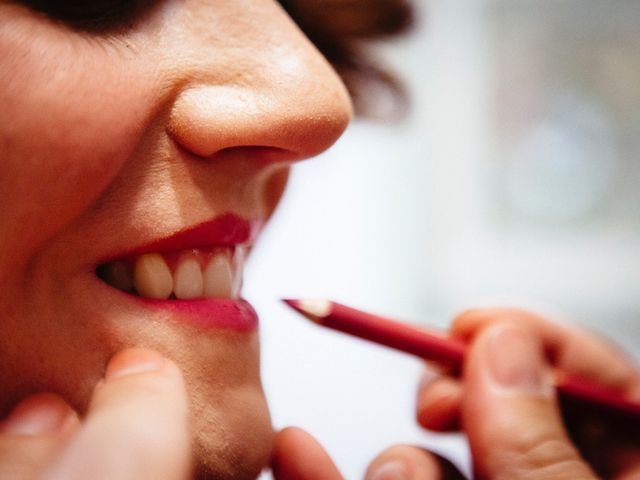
[{"x": 258, "y": 83}]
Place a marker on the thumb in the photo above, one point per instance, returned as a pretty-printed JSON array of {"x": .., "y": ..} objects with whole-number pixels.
[
  {"x": 509, "y": 410},
  {"x": 136, "y": 427}
]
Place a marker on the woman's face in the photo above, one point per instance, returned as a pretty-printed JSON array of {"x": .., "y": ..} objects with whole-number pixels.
[{"x": 151, "y": 152}]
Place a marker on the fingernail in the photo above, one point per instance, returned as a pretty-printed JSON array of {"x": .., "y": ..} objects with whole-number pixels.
[
  {"x": 393, "y": 470},
  {"x": 133, "y": 361},
  {"x": 516, "y": 360},
  {"x": 37, "y": 415}
]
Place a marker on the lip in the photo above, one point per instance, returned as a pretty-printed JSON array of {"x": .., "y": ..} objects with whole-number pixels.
[
  {"x": 225, "y": 230},
  {"x": 228, "y": 229},
  {"x": 218, "y": 313},
  {"x": 236, "y": 315}
]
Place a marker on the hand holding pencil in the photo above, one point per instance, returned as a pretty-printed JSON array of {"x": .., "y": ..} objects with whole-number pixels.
[
  {"x": 506, "y": 405},
  {"x": 609, "y": 442}
]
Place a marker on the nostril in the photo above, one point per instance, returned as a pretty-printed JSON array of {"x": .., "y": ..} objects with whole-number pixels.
[{"x": 257, "y": 154}]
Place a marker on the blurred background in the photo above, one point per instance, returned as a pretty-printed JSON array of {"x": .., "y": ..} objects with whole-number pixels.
[{"x": 514, "y": 180}]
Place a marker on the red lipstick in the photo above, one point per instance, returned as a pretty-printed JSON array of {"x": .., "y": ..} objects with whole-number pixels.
[
  {"x": 226, "y": 230},
  {"x": 432, "y": 345},
  {"x": 206, "y": 313}
]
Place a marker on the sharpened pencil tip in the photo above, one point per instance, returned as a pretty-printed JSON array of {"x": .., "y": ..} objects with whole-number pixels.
[
  {"x": 293, "y": 303},
  {"x": 317, "y": 308}
]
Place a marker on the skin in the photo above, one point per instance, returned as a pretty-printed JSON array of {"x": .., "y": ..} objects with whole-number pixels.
[
  {"x": 111, "y": 140},
  {"x": 519, "y": 433}
]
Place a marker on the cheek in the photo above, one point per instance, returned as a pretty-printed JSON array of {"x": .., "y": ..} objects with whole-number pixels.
[{"x": 67, "y": 125}]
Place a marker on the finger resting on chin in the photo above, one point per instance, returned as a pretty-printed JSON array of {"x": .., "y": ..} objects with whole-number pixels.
[
  {"x": 25, "y": 457},
  {"x": 40, "y": 414},
  {"x": 33, "y": 433},
  {"x": 137, "y": 424}
]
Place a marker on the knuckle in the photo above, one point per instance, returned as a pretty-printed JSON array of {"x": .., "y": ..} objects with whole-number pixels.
[{"x": 549, "y": 458}]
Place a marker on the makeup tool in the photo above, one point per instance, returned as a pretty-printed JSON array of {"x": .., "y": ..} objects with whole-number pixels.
[{"x": 435, "y": 346}]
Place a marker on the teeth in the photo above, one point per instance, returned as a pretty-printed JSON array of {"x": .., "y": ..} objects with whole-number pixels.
[
  {"x": 238, "y": 264},
  {"x": 218, "y": 277},
  {"x": 152, "y": 277},
  {"x": 187, "y": 278}
]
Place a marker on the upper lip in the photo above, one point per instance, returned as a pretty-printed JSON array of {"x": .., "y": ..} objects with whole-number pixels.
[{"x": 225, "y": 230}]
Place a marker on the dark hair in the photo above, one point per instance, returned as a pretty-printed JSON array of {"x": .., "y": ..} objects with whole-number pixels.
[{"x": 342, "y": 30}]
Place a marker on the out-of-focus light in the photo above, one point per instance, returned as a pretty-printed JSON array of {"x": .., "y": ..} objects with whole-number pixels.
[{"x": 564, "y": 167}]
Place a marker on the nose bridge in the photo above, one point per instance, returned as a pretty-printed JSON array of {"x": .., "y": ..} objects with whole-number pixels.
[{"x": 255, "y": 81}]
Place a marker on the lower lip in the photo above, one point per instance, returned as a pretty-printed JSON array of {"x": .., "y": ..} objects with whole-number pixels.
[
  {"x": 237, "y": 315},
  {"x": 208, "y": 313}
]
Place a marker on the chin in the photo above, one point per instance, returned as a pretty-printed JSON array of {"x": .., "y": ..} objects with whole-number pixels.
[
  {"x": 232, "y": 432},
  {"x": 230, "y": 421},
  {"x": 233, "y": 440}
]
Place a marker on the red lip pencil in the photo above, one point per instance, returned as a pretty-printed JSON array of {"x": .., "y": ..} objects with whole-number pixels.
[{"x": 435, "y": 346}]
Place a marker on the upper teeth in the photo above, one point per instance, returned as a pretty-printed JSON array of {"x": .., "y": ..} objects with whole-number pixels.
[
  {"x": 196, "y": 275},
  {"x": 187, "y": 279}
]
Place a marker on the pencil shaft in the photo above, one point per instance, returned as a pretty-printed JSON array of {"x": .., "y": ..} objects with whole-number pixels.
[
  {"x": 400, "y": 336},
  {"x": 574, "y": 391}
]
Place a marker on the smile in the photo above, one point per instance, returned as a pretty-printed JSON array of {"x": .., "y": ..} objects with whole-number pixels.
[{"x": 202, "y": 262}]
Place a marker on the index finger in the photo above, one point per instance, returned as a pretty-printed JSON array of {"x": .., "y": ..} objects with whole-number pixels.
[
  {"x": 569, "y": 348},
  {"x": 136, "y": 427}
]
